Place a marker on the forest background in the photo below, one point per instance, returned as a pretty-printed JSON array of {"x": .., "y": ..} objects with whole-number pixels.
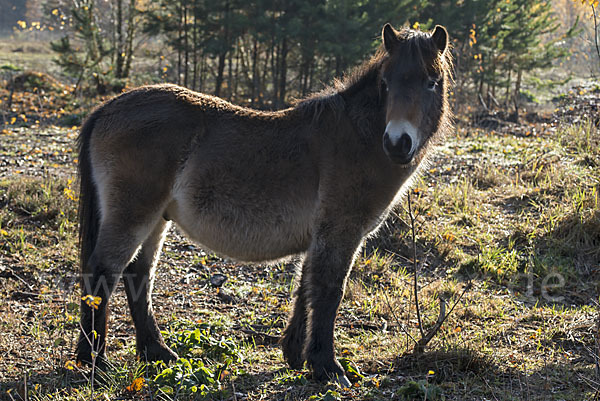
[{"x": 503, "y": 229}]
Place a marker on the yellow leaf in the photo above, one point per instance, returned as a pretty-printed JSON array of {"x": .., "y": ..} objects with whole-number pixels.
[
  {"x": 55, "y": 11},
  {"x": 4, "y": 233},
  {"x": 431, "y": 373},
  {"x": 13, "y": 120},
  {"x": 70, "y": 365},
  {"x": 136, "y": 385},
  {"x": 92, "y": 301}
]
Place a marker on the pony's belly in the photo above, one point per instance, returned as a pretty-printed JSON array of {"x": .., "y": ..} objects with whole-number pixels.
[{"x": 244, "y": 237}]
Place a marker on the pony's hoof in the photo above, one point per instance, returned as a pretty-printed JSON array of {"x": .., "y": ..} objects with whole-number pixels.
[
  {"x": 292, "y": 350},
  {"x": 332, "y": 372},
  {"x": 295, "y": 362},
  {"x": 293, "y": 357},
  {"x": 343, "y": 381},
  {"x": 158, "y": 352}
]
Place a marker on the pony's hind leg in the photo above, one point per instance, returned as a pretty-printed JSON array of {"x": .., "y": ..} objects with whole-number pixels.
[
  {"x": 139, "y": 280},
  {"x": 117, "y": 243},
  {"x": 294, "y": 334}
]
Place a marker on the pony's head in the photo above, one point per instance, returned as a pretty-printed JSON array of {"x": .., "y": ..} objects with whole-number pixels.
[{"x": 414, "y": 78}]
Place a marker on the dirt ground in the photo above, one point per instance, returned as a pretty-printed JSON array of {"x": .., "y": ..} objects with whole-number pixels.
[{"x": 509, "y": 211}]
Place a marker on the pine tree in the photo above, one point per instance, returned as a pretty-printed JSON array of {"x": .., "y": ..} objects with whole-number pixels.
[{"x": 98, "y": 42}]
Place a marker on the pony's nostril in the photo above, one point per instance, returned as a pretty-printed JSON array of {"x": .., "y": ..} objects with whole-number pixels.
[
  {"x": 405, "y": 144},
  {"x": 386, "y": 141}
]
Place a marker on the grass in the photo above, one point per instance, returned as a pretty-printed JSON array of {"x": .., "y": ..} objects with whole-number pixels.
[{"x": 515, "y": 215}]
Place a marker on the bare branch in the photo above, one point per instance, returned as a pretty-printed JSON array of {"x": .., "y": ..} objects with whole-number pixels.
[
  {"x": 398, "y": 322},
  {"x": 442, "y": 316},
  {"x": 596, "y": 31},
  {"x": 415, "y": 265}
]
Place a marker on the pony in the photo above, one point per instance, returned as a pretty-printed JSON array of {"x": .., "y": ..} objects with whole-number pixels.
[{"x": 314, "y": 180}]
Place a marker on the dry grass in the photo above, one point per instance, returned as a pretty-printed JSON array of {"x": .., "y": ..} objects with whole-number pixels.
[{"x": 516, "y": 216}]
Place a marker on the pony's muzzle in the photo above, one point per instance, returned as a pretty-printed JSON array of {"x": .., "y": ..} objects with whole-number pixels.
[{"x": 400, "y": 151}]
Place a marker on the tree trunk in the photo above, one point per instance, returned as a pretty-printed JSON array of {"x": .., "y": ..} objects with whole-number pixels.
[
  {"x": 119, "y": 48},
  {"x": 223, "y": 53},
  {"x": 186, "y": 48},
  {"x": 113, "y": 57},
  {"x": 230, "y": 75},
  {"x": 517, "y": 93},
  {"x": 274, "y": 73},
  {"x": 254, "y": 71},
  {"x": 283, "y": 72},
  {"x": 234, "y": 88},
  {"x": 130, "y": 36},
  {"x": 262, "y": 84},
  {"x": 202, "y": 73},
  {"x": 220, "y": 69},
  {"x": 195, "y": 49},
  {"x": 179, "y": 42}
]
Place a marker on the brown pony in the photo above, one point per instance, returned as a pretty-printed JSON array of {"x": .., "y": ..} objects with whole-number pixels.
[{"x": 314, "y": 179}]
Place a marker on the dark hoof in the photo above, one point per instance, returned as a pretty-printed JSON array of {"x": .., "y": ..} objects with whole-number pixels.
[
  {"x": 292, "y": 350},
  {"x": 157, "y": 352},
  {"x": 343, "y": 381},
  {"x": 331, "y": 372}
]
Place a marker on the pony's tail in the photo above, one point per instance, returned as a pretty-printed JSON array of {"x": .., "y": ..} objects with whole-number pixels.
[{"x": 89, "y": 214}]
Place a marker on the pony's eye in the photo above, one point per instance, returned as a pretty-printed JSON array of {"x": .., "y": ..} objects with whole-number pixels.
[{"x": 432, "y": 84}]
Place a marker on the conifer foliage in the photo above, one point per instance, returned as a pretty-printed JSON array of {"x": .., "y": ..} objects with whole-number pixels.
[{"x": 267, "y": 52}]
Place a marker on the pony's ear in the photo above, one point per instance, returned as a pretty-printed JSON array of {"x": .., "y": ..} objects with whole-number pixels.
[
  {"x": 390, "y": 39},
  {"x": 440, "y": 38}
]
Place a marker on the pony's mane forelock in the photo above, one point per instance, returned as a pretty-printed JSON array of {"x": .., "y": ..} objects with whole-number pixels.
[{"x": 421, "y": 48}]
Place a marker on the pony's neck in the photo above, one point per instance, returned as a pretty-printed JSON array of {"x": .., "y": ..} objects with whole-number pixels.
[
  {"x": 357, "y": 97},
  {"x": 362, "y": 97}
]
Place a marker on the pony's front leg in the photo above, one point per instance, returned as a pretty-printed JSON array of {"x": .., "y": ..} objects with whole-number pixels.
[{"x": 327, "y": 266}]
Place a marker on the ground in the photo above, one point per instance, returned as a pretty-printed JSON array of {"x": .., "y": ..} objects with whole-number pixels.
[{"x": 507, "y": 228}]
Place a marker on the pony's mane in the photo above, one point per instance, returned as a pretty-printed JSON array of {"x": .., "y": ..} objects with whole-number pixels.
[
  {"x": 417, "y": 44},
  {"x": 332, "y": 97}
]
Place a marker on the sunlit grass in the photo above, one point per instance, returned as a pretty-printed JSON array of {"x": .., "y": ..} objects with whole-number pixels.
[{"x": 512, "y": 215}]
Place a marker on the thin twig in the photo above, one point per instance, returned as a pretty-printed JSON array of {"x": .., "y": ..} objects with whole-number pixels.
[
  {"x": 596, "y": 31},
  {"x": 25, "y": 386},
  {"x": 21, "y": 279},
  {"x": 597, "y": 340},
  {"x": 398, "y": 320},
  {"x": 427, "y": 337},
  {"x": 415, "y": 265},
  {"x": 442, "y": 316}
]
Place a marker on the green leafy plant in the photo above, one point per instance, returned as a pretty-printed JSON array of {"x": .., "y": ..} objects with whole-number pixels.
[{"x": 188, "y": 376}]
